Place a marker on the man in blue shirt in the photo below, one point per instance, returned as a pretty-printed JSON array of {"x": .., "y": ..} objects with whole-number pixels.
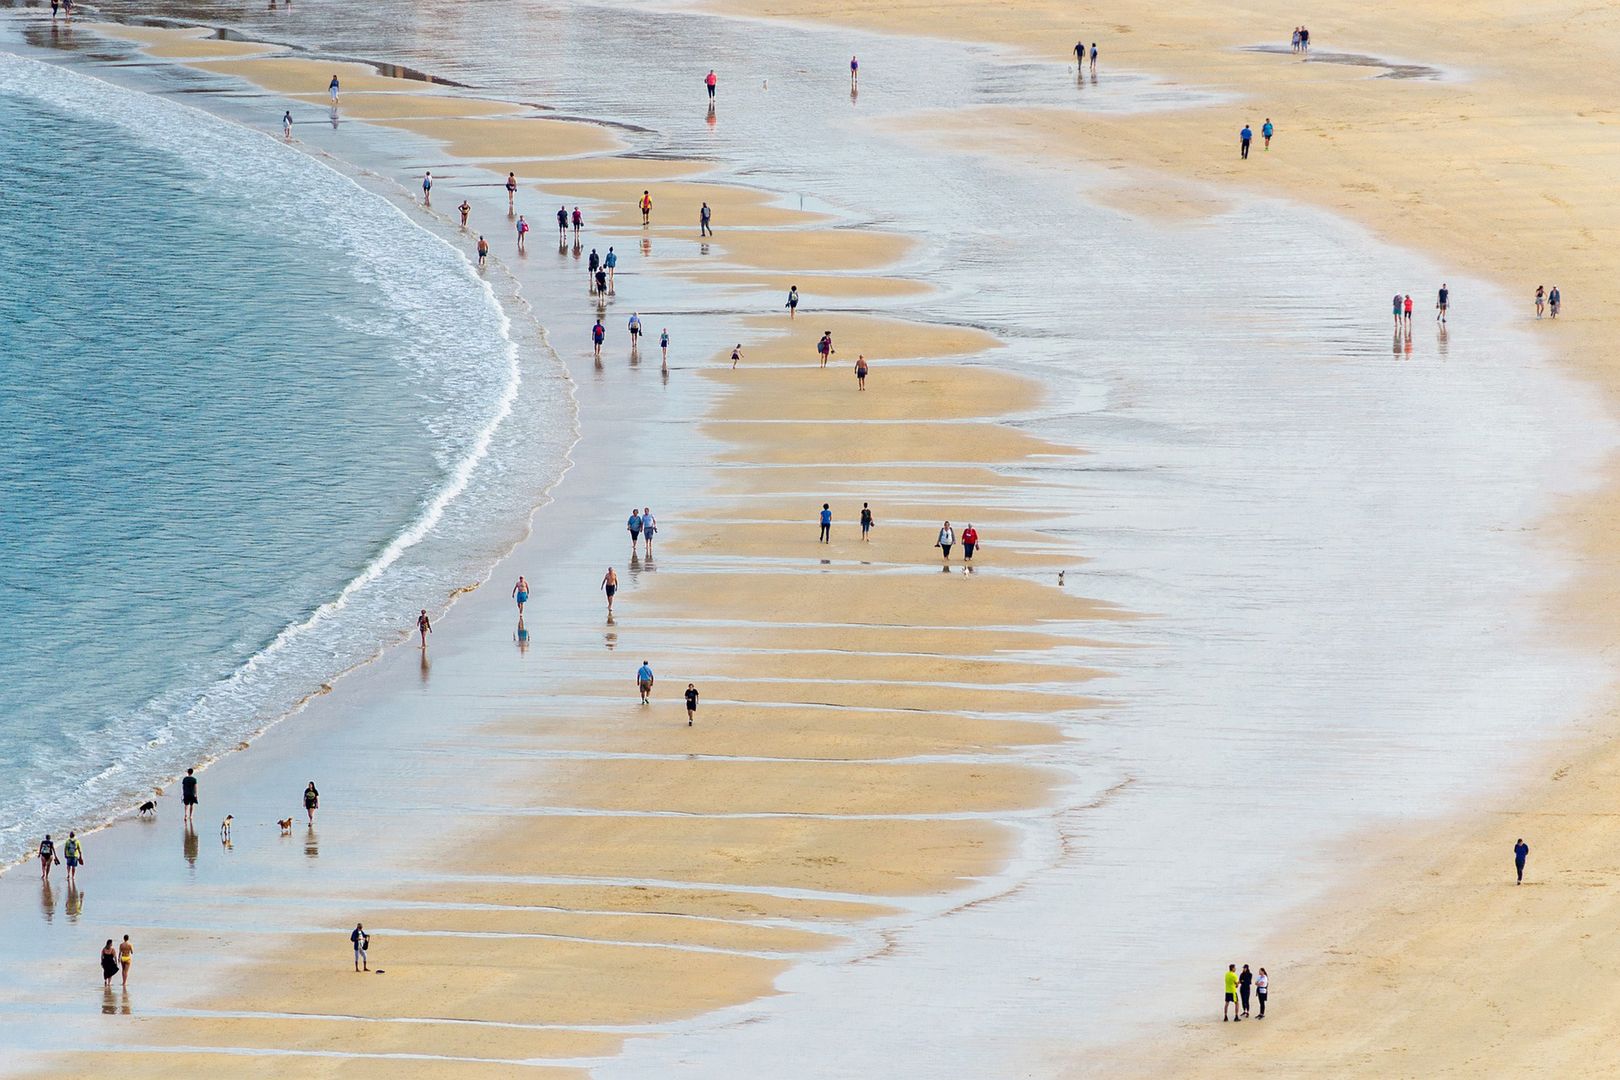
[
  {"x": 644, "y": 680},
  {"x": 1245, "y": 136},
  {"x": 826, "y": 524},
  {"x": 611, "y": 263},
  {"x": 1521, "y": 851}
]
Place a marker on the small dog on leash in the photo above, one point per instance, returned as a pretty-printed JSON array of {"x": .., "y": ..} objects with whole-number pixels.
[
  {"x": 225, "y": 828},
  {"x": 148, "y": 808},
  {"x": 286, "y": 826}
]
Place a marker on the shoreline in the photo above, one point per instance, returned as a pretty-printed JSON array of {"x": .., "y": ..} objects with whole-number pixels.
[{"x": 1071, "y": 560}]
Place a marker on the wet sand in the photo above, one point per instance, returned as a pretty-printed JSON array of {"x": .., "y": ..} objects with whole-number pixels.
[
  {"x": 1429, "y": 962},
  {"x": 563, "y": 868}
]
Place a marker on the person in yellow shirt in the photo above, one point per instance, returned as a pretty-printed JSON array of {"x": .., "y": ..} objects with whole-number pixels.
[{"x": 1231, "y": 994}]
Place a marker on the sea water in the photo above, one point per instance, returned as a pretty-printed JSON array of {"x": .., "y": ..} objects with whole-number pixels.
[{"x": 248, "y": 411}]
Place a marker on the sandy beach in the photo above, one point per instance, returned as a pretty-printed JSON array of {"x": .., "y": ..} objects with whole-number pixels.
[{"x": 561, "y": 880}]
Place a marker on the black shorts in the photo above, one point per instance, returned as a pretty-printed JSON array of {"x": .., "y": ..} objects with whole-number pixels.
[
  {"x": 611, "y": 589},
  {"x": 190, "y": 800},
  {"x": 967, "y": 551},
  {"x": 691, "y": 706},
  {"x": 1232, "y": 998}
]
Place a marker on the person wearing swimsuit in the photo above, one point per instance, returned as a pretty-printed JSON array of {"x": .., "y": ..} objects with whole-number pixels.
[
  {"x": 610, "y": 585},
  {"x": 126, "y": 957},
  {"x": 520, "y": 592},
  {"x": 423, "y": 626}
]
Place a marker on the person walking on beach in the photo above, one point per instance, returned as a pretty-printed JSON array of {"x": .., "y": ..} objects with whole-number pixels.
[
  {"x": 483, "y": 252},
  {"x": 610, "y": 585},
  {"x": 703, "y": 221},
  {"x": 332, "y": 88},
  {"x": 54, "y": 5},
  {"x": 1304, "y": 39},
  {"x": 427, "y": 188},
  {"x": 1266, "y": 131},
  {"x": 826, "y": 523},
  {"x": 286, "y": 117},
  {"x": 866, "y": 521},
  {"x": 709, "y": 80},
  {"x": 824, "y": 347},
  {"x": 423, "y": 627},
  {"x": 1407, "y": 307},
  {"x": 1094, "y": 58},
  {"x": 562, "y": 226},
  {"x": 860, "y": 372},
  {"x": 947, "y": 538},
  {"x": 1295, "y": 42},
  {"x": 1541, "y": 300},
  {"x": 466, "y": 210},
  {"x": 109, "y": 964},
  {"x": 792, "y": 301},
  {"x": 1521, "y": 852},
  {"x": 611, "y": 264},
  {"x": 1245, "y": 983},
  {"x": 1262, "y": 985},
  {"x": 188, "y": 793},
  {"x": 592, "y": 264},
  {"x": 361, "y": 941},
  {"x": 1444, "y": 301},
  {"x": 1554, "y": 300},
  {"x": 970, "y": 540},
  {"x": 601, "y": 288},
  {"x": 1396, "y": 308},
  {"x": 644, "y": 681},
  {"x": 73, "y": 852},
  {"x": 633, "y": 527},
  {"x": 635, "y": 332},
  {"x": 691, "y": 703},
  {"x": 598, "y": 332},
  {"x": 579, "y": 223},
  {"x": 649, "y": 526},
  {"x": 312, "y": 801},
  {"x": 126, "y": 957},
  {"x": 520, "y": 592},
  {"x": 1080, "y": 57},
  {"x": 736, "y": 355},
  {"x": 1231, "y": 994},
  {"x": 511, "y": 192},
  {"x": 523, "y": 235},
  {"x": 646, "y": 199},
  {"x": 663, "y": 345},
  {"x": 47, "y": 857},
  {"x": 1244, "y": 138}
]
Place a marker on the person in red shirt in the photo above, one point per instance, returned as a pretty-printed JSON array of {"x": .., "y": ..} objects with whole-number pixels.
[
  {"x": 709, "y": 80},
  {"x": 970, "y": 540}
]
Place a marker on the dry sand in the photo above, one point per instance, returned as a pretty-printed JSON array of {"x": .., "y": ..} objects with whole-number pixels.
[{"x": 1432, "y": 964}]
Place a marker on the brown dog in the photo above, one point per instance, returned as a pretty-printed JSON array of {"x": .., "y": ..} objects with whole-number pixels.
[{"x": 286, "y": 826}]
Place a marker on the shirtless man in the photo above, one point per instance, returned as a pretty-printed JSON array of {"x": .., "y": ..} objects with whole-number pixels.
[{"x": 610, "y": 585}]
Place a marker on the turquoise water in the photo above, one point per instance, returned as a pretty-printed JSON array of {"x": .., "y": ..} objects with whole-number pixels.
[{"x": 246, "y": 404}]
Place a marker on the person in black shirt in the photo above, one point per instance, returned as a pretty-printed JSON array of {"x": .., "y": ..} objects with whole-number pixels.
[
  {"x": 188, "y": 794},
  {"x": 1521, "y": 852},
  {"x": 691, "y": 703},
  {"x": 1245, "y": 981}
]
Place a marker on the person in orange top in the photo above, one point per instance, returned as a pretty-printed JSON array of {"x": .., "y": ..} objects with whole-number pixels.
[{"x": 646, "y": 206}]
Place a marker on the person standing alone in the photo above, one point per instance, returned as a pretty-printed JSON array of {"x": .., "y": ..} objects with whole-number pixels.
[
  {"x": 710, "y": 80},
  {"x": 703, "y": 221},
  {"x": 188, "y": 795},
  {"x": 826, "y": 523},
  {"x": 691, "y": 703},
  {"x": 362, "y": 942},
  {"x": 1521, "y": 852}
]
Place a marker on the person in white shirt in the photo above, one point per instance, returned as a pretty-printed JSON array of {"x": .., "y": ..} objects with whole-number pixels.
[
  {"x": 1261, "y": 984},
  {"x": 947, "y": 538}
]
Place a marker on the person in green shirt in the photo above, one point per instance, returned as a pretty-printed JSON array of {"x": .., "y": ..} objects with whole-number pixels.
[
  {"x": 1231, "y": 994},
  {"x": 73, "y": 852}
]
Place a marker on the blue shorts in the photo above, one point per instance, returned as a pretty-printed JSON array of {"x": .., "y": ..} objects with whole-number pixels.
[{"x": 523, "y": 598}]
